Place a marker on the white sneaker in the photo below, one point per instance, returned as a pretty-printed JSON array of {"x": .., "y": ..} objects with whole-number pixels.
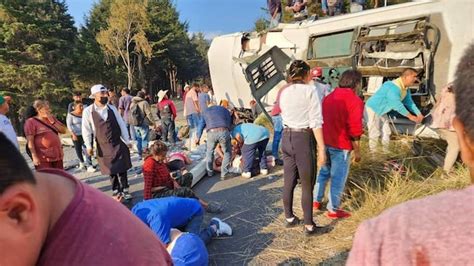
[
  {"x": 91, "y": 169},
  {"x": 81, "y": 166},
  {"x": 235, "y": 170},
  {"x": 223, "y": 228},
  {"x": 247, "y": 175},
  {"x": 264, "y": 171}
]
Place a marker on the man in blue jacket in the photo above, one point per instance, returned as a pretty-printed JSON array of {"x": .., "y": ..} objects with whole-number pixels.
[{"x": 392, "y": 96}]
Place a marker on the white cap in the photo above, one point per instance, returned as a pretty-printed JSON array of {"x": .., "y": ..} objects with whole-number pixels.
[
  {"x": 97, "y": 88},
  {"x": 161, "y": 94}
]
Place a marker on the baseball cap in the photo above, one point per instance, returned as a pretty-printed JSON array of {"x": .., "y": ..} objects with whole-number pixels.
[
  {"x": 189, "y": 249},
  {"x": 316, "y": 72},
  {"x": 97, "y": 88},
  {"x": 4, "y": 99}
]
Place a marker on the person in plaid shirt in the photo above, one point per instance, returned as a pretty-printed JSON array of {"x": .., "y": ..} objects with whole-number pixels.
[{"x": 158, "y": 182}]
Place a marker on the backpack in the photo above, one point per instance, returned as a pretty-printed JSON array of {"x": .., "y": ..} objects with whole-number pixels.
[{"x": 135, "y": 117}]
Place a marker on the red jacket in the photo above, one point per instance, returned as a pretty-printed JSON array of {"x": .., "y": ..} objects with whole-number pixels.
[
  {"x": 155, "y": 174},
  {"x": 342, "y": 112},
  {"x": 166, "y": 102}
]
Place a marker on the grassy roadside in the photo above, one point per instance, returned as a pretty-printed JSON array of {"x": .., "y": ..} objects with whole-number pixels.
[{"x": 377, "y": 183}]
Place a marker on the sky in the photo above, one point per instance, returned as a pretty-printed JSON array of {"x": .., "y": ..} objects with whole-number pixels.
[{"x": 212, "y": 17}]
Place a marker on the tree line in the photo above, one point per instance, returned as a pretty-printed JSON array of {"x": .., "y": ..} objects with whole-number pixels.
[{"x": 135, "y": 44}]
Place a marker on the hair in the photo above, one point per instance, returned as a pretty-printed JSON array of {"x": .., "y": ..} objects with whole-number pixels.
[
  {"x": 141, "y": 94},
  {"x": 30, "y": 112},
  {"x": 77, "y": 93},
  {"x": 110, "y": 90},
  {"x": 127, "y": 91},
  {"x": 298, "y": 70},
  {"x": 408, "y": 71},
  {"x": 245, "y": 37},
  {"x": 464, "y": 91},
  {"x": 38, "y": 104},
  {"x": 76, "y": 103},
  {"x": 195, "y": 85},
  {"x": 350, "y": 79},
  {"x": 204, "y": 86},
  {"x": 13, "y": 167},
  {"x": 158, "y": 148}
]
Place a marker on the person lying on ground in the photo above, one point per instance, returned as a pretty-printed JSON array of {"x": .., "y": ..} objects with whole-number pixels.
[
  {"x": 187, "y": 249},
  {"x": 163, "y": 214},
  {"x": 51, "y": 218},
  {"x": 219, "y": 156},
  {"x": 158, "y": 182},
  {"x": 177, "y": 161},
  {"x": 436, "y": 230},
  {"x": 254, "y": 140}
]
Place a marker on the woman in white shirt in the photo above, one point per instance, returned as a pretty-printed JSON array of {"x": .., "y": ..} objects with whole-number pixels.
[{"x": 302, "y": 140}]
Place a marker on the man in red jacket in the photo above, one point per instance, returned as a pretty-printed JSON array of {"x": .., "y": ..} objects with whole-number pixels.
[{"x": 342, "y": 128}]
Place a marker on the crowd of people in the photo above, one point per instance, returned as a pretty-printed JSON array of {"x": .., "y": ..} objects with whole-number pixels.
[
  {"x": 48, "y": 216},
  {"x": 299, "y": 9}
]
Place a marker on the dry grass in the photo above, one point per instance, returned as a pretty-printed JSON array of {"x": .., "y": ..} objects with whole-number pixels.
[{"x": 373, "y": 186}]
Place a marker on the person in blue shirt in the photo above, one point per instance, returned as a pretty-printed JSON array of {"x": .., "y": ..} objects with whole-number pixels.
[
  {"x": 392, "y": 96},
  {"x": 253, "y": 139},
  {"x": 218, "y": 122},
  {"x": 163, "y": 214}
]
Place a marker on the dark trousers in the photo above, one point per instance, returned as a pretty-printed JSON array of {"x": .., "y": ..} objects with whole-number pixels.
[
  {"x": 299, "y": 161},
  {"x": 79, "y": 148},
  {"x": 250, "y": 151},
  {"x": 168, "y": 127},
  {"x": 119, "y": 182}
]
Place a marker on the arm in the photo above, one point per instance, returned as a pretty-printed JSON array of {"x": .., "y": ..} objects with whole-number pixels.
[
  {"x": 54, "y": 122},
  {"x": 173, "y": 110},
  {"x": 408, "y": 102},
  {"x": 393, "y": 97},
  {"x": 123, "y": 127},
  {"x": 316, "y": 124},
  {"x": 87, "y": 129},
  {"x": 195, "y": 99},
  {"x": 150, "y": 115},
  {"x": 148, "y": 174},
  {"x": 121, "y": 106},
  {"x": 219, "y": 151}
]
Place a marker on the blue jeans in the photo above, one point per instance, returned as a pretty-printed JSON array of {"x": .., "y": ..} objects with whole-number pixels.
[
  {"x": 141, "y": 136},
  {"x": 276, "y": 144},
  {"x": 201, "y": 124},
  {"x": 194, "y": 226},
  {"x": 223, "y": 138},
  {"x": 336, "y": 169},
  {"x": 193, "y": 120},
  {"x": 248, "y": 155}
]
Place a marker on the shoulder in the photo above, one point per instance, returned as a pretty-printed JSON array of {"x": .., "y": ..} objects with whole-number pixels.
[{"x": 149, "y": 163}]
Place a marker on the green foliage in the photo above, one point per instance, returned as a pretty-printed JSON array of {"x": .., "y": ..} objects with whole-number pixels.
[{"x": 36, "y": 41}]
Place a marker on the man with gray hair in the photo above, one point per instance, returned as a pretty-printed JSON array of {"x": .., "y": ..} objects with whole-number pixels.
[{"x": 103, "y": 121}]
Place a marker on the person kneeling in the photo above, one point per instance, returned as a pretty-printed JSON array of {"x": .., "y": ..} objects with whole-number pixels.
[{"x": 254, "y": 139}]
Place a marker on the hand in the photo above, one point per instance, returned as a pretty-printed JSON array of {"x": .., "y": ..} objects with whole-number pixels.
[
  {"x": 321, "y": 157},
  {"x": 36, "y": 160},
  {"x": 357, "y": 156},
  {"x": 413, "y": 118},
  {"x": 129, "y": 145},
  {"x": 50, "y": 118},
  {"x": 420, "y": 118},
  {"x": 90, "y": 152},
  {"x": 74, "y": 137}
]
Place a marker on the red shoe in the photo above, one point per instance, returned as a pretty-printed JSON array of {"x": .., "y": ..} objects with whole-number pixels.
[
  {"x": 338, "y": 214},
  {"x": 316, "y": 205}
]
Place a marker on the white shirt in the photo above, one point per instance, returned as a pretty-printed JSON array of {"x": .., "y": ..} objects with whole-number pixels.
[
  {"x": 7, "y": 129},
  {"x": 300, "y": 107},
  {"x": 322, "y": 89},
  {"x": 88, "y": 128}
]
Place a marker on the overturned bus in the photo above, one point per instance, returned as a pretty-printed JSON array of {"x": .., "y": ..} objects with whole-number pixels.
[{"x": 427, "y": 35}]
